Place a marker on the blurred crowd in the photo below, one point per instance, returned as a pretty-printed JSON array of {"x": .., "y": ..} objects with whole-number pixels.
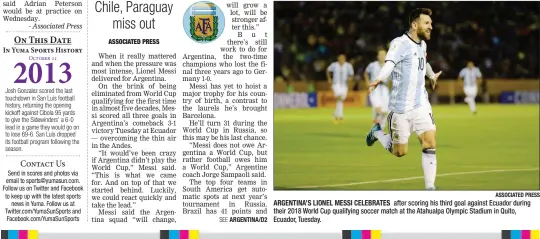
[{"x": 501, "y": 38}]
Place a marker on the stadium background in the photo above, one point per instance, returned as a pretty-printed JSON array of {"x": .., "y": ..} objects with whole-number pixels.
[{"x": 496, "y": 149}]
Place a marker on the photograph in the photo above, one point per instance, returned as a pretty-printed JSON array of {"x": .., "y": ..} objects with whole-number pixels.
[{"x": 406, "y": 95}]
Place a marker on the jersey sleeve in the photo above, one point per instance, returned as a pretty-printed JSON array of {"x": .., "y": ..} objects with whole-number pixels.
[
  {"x": 368, "y": 68},
  {"x": 462, "y": 73},
  {"x": 396, "y": 53},
  {"x": 331, "y": 67},
  {"x": 385, "y": 72},
  {"x": 478, "y": 73}
]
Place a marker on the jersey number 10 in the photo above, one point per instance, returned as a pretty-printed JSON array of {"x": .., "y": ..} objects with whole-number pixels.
[{"x": 420, "y": 63}]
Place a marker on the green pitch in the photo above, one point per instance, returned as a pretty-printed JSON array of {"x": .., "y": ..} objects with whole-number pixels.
[{"x": 494, "y": 150}]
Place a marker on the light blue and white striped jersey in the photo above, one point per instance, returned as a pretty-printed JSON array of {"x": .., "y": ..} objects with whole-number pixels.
[
  {"x": 470, "y": 75},
  {"x": 373, "y": 70},
  {"x": 409, "y": 74},
  {"x": 340, "y": 73}
]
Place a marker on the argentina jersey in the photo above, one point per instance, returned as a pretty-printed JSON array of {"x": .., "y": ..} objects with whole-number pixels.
[
  {"x": 470, "y": 75},
  {"x": 340, "y": 73},
  {"x": 408, "y": 76}
]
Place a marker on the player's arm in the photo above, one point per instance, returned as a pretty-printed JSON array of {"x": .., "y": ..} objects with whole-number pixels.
[
  {"x": 432, "y": 75},
  {"x": 395, "y": 54},
  {"x": 383, "y": 76},
  {"x": 329, "y": 70},
  {"x": 460, "y": 78},
  {"x": 429, "y": 71},
  {"x": 366, "y": 74}
]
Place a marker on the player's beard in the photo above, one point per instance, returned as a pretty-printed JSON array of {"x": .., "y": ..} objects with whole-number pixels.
[{"x": 423, "y": 35}]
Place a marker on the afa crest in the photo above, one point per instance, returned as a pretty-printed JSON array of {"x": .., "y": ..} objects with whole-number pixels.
[{"x": 204, "y": 22}]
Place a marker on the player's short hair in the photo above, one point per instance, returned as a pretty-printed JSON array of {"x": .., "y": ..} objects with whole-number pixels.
[{"x": 415, "y": 14}]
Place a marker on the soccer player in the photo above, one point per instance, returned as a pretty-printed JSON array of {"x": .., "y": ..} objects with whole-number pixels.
[
  {"x": 342, "y": 72},
  {"x": 380, "y": 96},
  {"x": 469, "y": 77},
  {"x": 409, "y": 106}
]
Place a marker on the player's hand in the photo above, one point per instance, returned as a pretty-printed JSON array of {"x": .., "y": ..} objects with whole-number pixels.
[
  {"x": 435, "y": 78},
  {"x": 374, "y": 85}
]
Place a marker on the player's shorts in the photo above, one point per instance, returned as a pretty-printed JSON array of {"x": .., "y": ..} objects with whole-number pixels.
[
  {"x": 380, "y": 98},
  {"x": 340, "y": 91},
  {"x": 470, "y": 91},
  {"x": 418, "y": 121}
]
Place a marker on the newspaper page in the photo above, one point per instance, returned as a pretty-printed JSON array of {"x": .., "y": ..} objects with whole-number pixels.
[{"x": 260, "y": 119}]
